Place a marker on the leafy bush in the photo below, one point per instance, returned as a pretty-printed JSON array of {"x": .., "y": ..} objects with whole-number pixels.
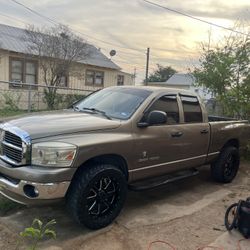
[
  {"x": 70, "y": 99},
  {"x": 12, "y": 100}
]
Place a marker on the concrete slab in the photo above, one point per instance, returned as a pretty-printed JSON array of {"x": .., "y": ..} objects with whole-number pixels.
[
  {"x": 232, "y": 241},
  {"x": 161, "y": 212}
]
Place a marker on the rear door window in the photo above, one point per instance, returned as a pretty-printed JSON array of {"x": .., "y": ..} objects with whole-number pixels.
[{"x": 192, "y": 109}]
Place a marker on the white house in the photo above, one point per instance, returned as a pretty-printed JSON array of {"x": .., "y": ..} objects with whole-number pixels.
[{"x": 184, "y": 81}]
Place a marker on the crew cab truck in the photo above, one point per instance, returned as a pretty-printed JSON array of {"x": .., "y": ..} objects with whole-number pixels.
[{"x": 114, "y": 139}]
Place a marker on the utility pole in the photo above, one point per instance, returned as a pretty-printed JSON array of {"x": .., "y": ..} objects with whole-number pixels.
[
  {"x": 134, "y": 74},
  {"x": 147, "y": 63}
]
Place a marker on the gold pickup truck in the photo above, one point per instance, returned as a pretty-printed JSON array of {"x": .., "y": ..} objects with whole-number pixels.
[{"x": 116, "y": 139}]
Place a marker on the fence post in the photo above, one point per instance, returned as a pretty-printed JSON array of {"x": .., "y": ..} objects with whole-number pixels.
[{"x": 29, "y": 99}]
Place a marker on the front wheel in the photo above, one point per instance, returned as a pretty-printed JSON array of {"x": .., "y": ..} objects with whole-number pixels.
[
  {"x": 225, "y": 168},
  {"x": 97, "y": 195}
]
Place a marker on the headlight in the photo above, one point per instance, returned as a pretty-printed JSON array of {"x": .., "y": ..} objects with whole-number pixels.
[{"x": 53, "y": 154}]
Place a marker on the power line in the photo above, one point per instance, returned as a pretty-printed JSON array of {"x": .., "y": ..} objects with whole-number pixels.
[
  {"x": 119, "y": 51},
  {"x": 35, "y": 12},
  {"x": 53, "y": 21},
  {"x": 195, "y": 18},
  {"x": 131, "y": 64},
  {"x": 126, "y": 53},
  {"x": 13, "y": 18},
  {"x": 125, "y": 61}
]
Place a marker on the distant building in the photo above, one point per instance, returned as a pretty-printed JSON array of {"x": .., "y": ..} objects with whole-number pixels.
[{"x": 184, "y": 81}]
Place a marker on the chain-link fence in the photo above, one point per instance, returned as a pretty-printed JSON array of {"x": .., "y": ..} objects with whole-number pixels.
[{"x": 20, "y": 98}]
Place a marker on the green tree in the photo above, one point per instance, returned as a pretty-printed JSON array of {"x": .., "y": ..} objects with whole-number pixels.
[
  {"x": 161, "y": 74},
  {"x": 225, "y": 71}
]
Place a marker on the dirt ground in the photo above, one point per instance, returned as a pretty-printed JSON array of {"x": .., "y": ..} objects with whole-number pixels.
[{"x": 188, "y": 214}]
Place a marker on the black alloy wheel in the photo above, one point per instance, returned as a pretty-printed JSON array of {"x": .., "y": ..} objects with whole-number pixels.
[
  {"x": 102, "y": 196},
  {"x": 226, "y": 166},
  {"x": 97, "y": 195}
]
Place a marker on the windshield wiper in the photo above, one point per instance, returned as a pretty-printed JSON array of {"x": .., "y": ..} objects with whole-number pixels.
[
  {"x": 75, "y": 108},
  {"x": 98, "y": 111}
]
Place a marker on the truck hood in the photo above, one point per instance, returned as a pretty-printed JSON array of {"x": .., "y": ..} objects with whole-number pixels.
[{"x": 62, "y": 122}]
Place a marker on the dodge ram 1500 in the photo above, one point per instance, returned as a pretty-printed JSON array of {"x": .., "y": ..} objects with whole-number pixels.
[{"x": 115, "y": 139}]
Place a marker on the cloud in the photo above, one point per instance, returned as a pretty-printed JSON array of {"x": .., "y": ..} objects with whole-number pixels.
[{"x": 135, "y": 24}]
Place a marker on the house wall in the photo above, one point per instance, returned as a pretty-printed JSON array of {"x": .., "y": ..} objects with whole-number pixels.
[
  {"x": 4, "y": 68},
  {"x": 77, "y": 76},
  {"x": 128, "y": 78},
  {"x": 76, "y": 81},
  {"x": 110, "y": 77}
]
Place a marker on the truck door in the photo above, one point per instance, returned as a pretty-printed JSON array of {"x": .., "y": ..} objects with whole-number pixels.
[
  {"x": 180, "y": 143},
  {"x": 157, "y": 146},
  {"x": 195, "y": 132}
]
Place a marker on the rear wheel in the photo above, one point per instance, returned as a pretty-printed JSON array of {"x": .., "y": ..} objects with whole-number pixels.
[
  {"x": 225, "y": 168},
  {"x": 97, "y": 195}
]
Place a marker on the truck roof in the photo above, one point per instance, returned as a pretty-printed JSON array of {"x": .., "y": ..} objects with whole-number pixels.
[{"x": 159, "y": 89}]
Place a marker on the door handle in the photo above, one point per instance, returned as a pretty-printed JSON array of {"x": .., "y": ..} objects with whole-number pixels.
[
  {"x": 204, "y": 131},
  {"x": 177, "y": 134}
]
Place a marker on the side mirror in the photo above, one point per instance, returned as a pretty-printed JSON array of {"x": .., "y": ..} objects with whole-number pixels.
[
  {"x": 157, "y": 117},
  {"x": 154, "y": 118}
]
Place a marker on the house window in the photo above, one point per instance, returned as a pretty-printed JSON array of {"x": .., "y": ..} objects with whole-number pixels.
[
  {"x": 94, "y": 77},
  {"x": 120, "y": 80},
  {"x": 22, "y": 71},
  {"x": 16, "y": 71},
  {"x": 63, "y": 81}
]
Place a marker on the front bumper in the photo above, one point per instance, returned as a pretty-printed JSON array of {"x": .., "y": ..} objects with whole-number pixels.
[{"x": 31, "y": 185}]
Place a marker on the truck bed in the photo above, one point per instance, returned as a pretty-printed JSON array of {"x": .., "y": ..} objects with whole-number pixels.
[
  {"x": 222, "y": 129},
  {"x": 214, "y": 118}
]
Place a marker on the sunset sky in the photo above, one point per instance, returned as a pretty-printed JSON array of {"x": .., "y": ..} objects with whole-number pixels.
[{"x": 131, "y": 26}]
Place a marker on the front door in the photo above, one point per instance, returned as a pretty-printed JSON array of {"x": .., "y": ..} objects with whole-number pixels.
[{"x": 169, "y": 147}]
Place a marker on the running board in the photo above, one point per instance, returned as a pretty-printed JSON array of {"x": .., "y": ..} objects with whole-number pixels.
[{"x": 162, "y": 180}]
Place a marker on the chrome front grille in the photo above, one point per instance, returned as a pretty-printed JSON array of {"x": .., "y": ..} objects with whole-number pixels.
[
  {"x": 12, "y": 152},
  {"x": 14, "y": 145},
  {"x": 12, "y": 139}
]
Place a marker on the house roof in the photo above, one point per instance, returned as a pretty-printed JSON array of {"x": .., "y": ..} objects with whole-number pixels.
[
  {"x": 181, "y": 79},
  {"x": 13, "y": 39},
  {"x": 178, "y": 79}
]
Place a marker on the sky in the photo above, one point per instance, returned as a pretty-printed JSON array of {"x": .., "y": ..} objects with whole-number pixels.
[{"x": 131, "y": 26}]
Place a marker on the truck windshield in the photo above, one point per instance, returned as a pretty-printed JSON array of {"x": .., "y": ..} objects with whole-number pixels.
[{"x": 119, "y": 103}]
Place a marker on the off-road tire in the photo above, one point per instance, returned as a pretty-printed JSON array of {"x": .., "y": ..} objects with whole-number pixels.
[
  {"x": 87, "y": 195},
  {"x": 225, "y": 168}
]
